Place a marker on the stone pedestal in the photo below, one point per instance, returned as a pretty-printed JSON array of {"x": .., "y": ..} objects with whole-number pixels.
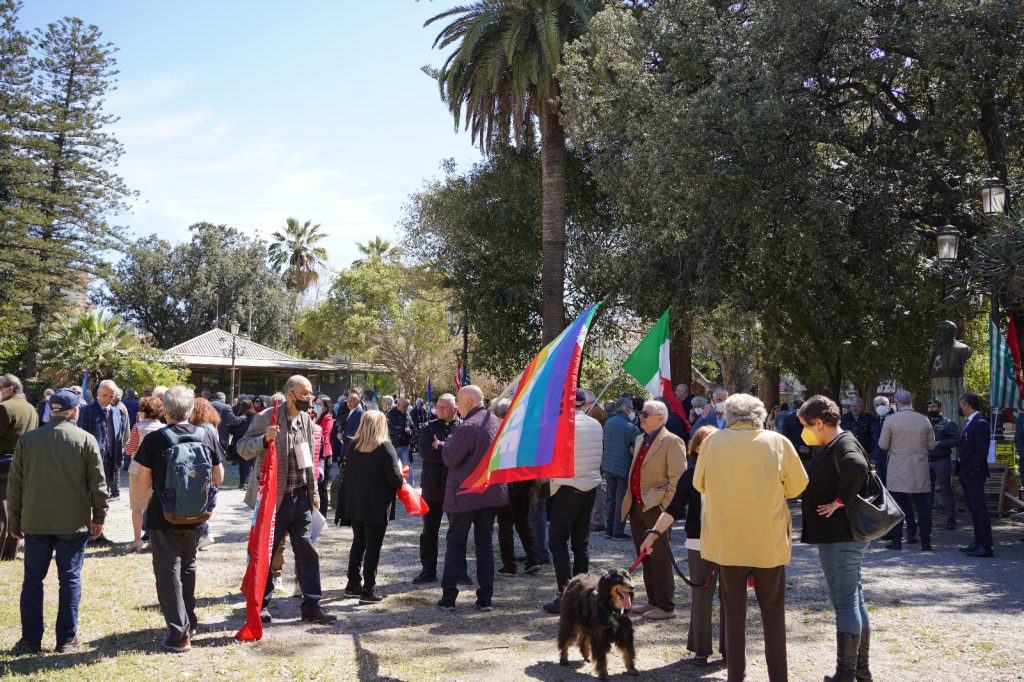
[{"x": 949, "y": 390}]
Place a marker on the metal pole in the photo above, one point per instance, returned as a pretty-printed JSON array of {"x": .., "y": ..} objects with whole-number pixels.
[
  {"x": 597, "y": 400},
  {"x": 465, "y": 345},
  {"x": 231, "y": 393},
  {"x": 994, "y": 417}
]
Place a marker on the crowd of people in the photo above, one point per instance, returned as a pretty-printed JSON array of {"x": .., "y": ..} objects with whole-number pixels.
[{"x": 725, "y": 468}]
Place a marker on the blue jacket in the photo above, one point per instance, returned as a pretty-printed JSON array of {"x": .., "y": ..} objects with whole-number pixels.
[
  {"x": 228, "y": 419},
  {"x": 947, "y": 435},
  {"x": 972, "y": 453},
  {"x": 619, "y": 434},
  {"x": 92, "y": 419},
  {"x": 351, "y": 423}
]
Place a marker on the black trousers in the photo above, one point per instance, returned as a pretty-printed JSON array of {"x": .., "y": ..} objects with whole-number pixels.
[
  {"x": 174, "y": 565},
  {"x": 974, "y": 492},
  {"x": 457, "y": 540},
  {"x": 295, "y": 517},
  {"x": 428, "y": 537},
  {"x": 112, "y": 471},
  {"x": 570, "y": 522},
  {"x": 516, "y": 516},
  {"x": 367, "y": 539}
]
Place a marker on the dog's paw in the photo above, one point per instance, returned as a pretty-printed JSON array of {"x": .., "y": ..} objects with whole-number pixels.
[
  {"x": 632, "y": 671},
  {"x": 564, "y": 660}
]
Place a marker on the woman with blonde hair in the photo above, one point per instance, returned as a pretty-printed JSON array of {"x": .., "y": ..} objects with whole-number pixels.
[
  {"x": 372, "y": 477},
  {"x": 689, "y": 503}
]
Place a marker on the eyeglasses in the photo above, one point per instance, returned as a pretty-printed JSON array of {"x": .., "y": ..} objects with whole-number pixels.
[{"x": 645, "y": 414}]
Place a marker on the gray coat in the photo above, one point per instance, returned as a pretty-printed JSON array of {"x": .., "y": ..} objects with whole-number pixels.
[
  {"x": 908, "y": 436},
  {"x": 462, "y": 453},
  {"x": 251, "y": 446}
]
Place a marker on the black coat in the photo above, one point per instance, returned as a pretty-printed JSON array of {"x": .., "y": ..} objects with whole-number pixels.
[
  {"x": 687, "y": 501},
  {"x": 398, "y": 422},
  {"x": 435, "y": 473},
  {"x": 791, "y": 429},
  {"x": 826, "y": 483},
  {"x": 371, "y": 481}
]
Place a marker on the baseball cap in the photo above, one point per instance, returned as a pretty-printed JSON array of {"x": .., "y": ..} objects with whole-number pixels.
[
  {"x": 63, "y": 400},
  {"x": 581, "y": 396}
]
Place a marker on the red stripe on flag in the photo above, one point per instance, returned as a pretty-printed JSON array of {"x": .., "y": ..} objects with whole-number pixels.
[
  {"x": 1011, "y": 341},
  {"x": 261, "y": 535},
  {"x": 673, "y": 403}
]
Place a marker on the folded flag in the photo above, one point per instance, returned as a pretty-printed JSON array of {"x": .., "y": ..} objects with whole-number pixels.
[
  {"x": 649, "y": 365},
  {"x": 261, "y": 534},
  {"x": 414, "y": 503},
  {"x": 537, "y": 437}
]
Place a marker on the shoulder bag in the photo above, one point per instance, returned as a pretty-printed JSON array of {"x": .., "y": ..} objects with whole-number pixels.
[{"x": 873, "y": 512}]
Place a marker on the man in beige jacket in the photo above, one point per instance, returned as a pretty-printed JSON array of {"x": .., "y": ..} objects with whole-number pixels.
[
  {"x": 746, "y": 474},
  {"x": 659, "y": 459},
  {"x": 908, "y": 436}
]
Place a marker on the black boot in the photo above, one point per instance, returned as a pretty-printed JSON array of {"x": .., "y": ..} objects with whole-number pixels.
[
  {"x": 847, "y": 647},
  {"x": 863, "y": 672}
]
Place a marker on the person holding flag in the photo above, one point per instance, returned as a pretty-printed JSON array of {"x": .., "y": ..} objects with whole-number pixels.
[{"x": 297, "y": 494}]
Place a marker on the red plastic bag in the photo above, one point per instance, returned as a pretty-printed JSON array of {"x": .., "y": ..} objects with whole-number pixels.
[{"x": 414, "y": 503}]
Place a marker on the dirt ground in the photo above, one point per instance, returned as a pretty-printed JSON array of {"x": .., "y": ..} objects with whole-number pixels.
[{"x": 937, "y": 616}]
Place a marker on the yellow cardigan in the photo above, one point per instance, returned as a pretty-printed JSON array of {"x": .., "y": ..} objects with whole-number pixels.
[{"x": 746, "y": 475}]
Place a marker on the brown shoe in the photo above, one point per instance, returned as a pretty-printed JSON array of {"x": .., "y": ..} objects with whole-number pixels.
[
  {"x": 658, "y": 614},
  {"x": 179, "y": 648},
  {"x": 68, "y": 646}
]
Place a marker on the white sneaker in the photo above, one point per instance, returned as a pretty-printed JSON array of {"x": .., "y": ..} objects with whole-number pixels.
[
  {"x": 298, "y": 589},
  {"x": 137, "y": 545},
  {"x": 205, "y": 541}
]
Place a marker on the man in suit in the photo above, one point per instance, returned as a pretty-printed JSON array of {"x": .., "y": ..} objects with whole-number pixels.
[
  {"x": 108, "y": 426},
  {"x": 297, "y": 493},
  {"x": 351, "y": 421},
  {"x": 228, "y": 418},
  {"x": 131, "y": 403},
  {"x": 659, "y": 459},
  {"x": 908, "y": 437},
  {"x": 972, "y": 455}
]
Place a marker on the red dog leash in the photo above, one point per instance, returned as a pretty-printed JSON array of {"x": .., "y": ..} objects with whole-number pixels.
[{"x": 675, "y": 566}]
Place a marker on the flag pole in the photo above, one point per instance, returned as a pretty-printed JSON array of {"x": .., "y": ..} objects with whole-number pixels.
[
  {"x": 597, "y": 400},
  {"x": 508, "y": 389}
]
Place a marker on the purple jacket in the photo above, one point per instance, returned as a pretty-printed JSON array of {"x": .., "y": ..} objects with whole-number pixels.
[{"x": 462, "y": 453}]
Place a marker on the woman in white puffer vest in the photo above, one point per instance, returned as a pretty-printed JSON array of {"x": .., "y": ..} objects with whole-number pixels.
[{"x": 572, "y": 500}]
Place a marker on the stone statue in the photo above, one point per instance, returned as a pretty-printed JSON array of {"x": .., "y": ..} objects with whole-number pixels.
[{"x": 947, "y": 369}]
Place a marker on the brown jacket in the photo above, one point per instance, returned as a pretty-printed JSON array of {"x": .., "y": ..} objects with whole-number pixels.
[{"x": 664, "y": 464}]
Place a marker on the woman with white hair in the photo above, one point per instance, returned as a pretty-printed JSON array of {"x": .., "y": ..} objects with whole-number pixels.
[{"x": 746, "y": 474}]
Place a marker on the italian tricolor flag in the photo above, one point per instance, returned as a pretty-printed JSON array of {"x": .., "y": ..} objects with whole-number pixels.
[{"x": 649, "y": 364}]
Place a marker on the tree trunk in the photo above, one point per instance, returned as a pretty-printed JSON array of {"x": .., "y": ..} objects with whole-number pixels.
[
  {"x": 552, "y": 274},
  {"x": 681, "y": 350},
  {"x": 769, "y": 388}
]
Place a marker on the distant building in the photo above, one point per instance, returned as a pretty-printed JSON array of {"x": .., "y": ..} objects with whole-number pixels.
[{"x": 260, "y": 369}]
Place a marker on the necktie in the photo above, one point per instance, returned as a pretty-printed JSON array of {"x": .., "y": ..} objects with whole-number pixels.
[{"x": 108, "y": 436}]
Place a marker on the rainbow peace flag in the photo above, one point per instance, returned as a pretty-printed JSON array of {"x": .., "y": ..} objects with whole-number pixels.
[{"x": 537, "y": 436}]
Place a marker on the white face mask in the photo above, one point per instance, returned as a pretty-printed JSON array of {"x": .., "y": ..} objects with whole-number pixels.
[
  {"x": 882, "y": 410},
  {"x": 720, "y": 408}
]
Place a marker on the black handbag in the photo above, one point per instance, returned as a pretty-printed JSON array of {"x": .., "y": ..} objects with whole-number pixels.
[{"x": 874, "y": 512}]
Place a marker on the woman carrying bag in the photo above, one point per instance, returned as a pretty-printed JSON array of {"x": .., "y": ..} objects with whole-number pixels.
[
  {"x": 372, "y": 477},
  {"x": 837, "y": 472}
]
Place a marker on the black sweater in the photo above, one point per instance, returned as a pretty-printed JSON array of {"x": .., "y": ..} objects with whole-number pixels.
[
  {"x": 826, "y": 483},
  {"x": 686, "y": 502}
]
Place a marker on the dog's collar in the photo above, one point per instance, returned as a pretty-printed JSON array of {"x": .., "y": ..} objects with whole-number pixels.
[{"x": 596, "y": 597}]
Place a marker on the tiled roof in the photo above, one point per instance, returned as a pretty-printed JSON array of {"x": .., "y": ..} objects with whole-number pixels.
[{"x": 208, "y": 345}]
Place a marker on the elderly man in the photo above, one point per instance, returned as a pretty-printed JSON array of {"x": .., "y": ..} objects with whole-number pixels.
[
  {"x": 746, "y": 474},
  {"x": 351, "y": 420},
  {"x": 105, "y": 422},
  {"x": 880, "y": 456},
  {"x": 175, "y": 545},
  {"x": 462, "y": 453},
  {"x": 571, "y": 502},
  {"x": 617, "y": 445},
  {"x": 858, "y": 422},
  {"x": 16, "y": 417},
  {"x": 433, "y": 479},
  {"x": 400, "y": 429},
  {"x": 659, "y": 460},
  {"x": 297, "y": 494},
  {"x": 683, "y": 396},
  {"x": 713, "y": 413},
  {"x": 908, "y": 436},
  {"x": 228, "y": 418},
  {"x": 58, "y": 499}
]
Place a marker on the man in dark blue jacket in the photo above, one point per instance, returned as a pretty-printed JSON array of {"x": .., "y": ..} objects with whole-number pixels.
[
  {"x": 104, "y": 421},
  {"x": 228, "y": 418},
  {"x": 972, "y": 454},
  {"x": 940, "y": 463}
]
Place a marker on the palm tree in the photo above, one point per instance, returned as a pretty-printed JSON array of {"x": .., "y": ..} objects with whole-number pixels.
[
  {"x": 378, "y": 249},
  {"x": 294, "y": 253},
  {"x": 503, "y": 72},
  {"x": 85, "y": 341}
]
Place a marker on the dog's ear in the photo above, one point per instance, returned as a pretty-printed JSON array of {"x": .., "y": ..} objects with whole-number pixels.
[{"x": 604, "y": 585}]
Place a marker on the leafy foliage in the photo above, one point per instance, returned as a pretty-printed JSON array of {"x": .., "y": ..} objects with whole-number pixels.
[{"x": 176, "y": 293}]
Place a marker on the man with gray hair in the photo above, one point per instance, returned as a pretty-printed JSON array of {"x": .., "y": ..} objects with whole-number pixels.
[
  {"x": 659, "y": 461},
  {"x": 433, "y": 479},
  {"x": 714, "y": 413},
  {"x": 908, "y": 436},
  {"x": 58, "y": 499},
  {"x": 858, "y": 422},
  {"x": 16, "y": 418},
  {"x": 297, "y": 492},
  {"x": 174, "y": 545},
  {"x": 108, "y": 426}
]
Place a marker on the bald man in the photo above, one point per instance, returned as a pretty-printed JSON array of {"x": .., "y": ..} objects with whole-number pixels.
[{"x": 462, "y": 453}]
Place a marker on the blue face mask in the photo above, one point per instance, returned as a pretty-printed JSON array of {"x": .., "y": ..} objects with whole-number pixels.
[{"x": 318, "y": 409}]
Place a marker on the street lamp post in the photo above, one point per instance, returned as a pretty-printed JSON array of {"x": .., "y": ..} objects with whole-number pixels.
[
  {"x": 233, "y": 349},
  {"x": 455, "y": 326},
  {"x": 994, "y": 200}
]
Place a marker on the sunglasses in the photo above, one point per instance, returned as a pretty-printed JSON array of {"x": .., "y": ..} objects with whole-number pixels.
[{"x": 645, "y": 414}]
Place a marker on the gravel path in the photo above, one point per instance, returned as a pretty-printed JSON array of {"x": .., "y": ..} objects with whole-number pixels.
[{"x": 935, "y": 617}]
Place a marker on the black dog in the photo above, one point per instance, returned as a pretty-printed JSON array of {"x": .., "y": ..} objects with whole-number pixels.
[{"x": 594, "y": 617}]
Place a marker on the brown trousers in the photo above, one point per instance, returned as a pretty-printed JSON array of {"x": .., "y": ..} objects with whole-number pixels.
[
  {"x": 770, "y": 588},
  {"x": 659, "y": 580}
]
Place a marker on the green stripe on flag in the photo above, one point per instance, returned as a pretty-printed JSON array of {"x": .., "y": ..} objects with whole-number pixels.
[
  {"x": 642, "y": 365},
  {"x": 1004, "y": 389}
]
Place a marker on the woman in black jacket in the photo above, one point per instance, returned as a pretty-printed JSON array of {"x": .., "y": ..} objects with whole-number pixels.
[
  {"x": 837, "y": 471},
  {"x": 372, "y": 477},
  {"x": 687, "y": 503}
]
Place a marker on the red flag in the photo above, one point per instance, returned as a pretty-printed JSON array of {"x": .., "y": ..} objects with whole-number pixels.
[
  {"x": 1011, "y": 341},
  {"x": 458, "y": 375},
  {"x": 261, "y": 535}
]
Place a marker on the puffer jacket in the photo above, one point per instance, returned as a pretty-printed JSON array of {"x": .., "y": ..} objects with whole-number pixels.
[{"x": 589, "y": 449}]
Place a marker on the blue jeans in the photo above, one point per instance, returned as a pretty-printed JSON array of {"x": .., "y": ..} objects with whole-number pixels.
[
  {"x": 39, "y": 551},
  {"x": 403, "y": 457},
  {"x": 539, "y": 519},
  {"x": 841, "y": 562},
  {"x": 616, "y": 489}
]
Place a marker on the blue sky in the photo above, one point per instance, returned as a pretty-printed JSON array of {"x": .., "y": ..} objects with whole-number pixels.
[{"x": 246, "y": 113}]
